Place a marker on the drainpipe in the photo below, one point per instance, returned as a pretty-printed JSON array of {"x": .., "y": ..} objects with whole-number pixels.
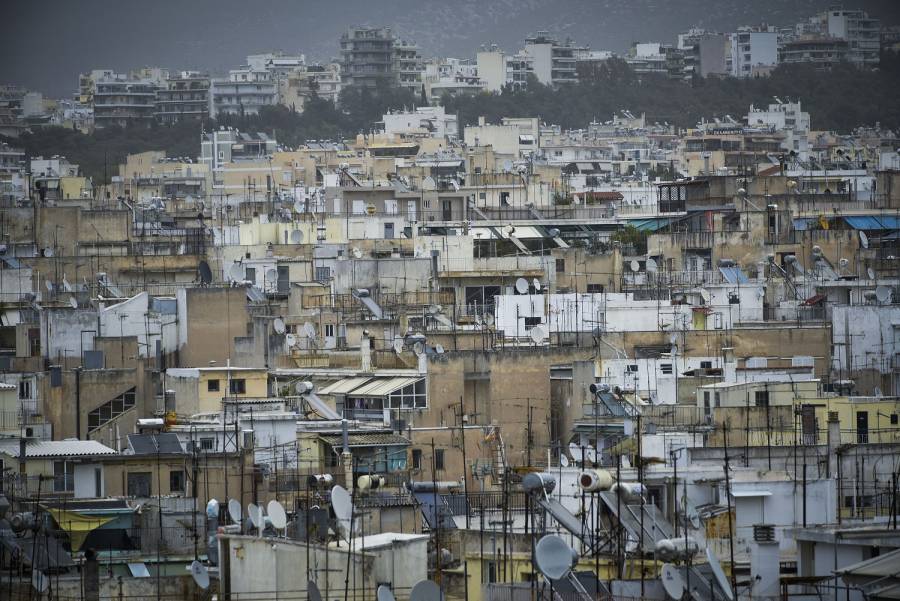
[
  {"x": 346, "y": 457},
  {"x": 78, "y": 403}
]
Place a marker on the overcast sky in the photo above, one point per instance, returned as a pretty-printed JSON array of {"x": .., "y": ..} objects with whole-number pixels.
[{"x": 46, "y": 44}]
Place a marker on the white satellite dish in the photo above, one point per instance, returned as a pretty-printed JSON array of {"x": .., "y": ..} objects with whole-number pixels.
[
  {"x": 883, "y": 294},
  {"x": 719, "y": 573},
  {"x": 40, "y": 581},
  {"x": 419, "y": 348},
  {"x": 356, "y": 252},
  {"x": 672, "y": 581},
  {"x": 298, "y": 207},
  {"x": 290, "y": 340},
  {"x": 426, "y": 590},
  {"x": 342, "y": 504},
  {"x": 309, "y": 329},
  {"x": 384, "y": 594},
  {"x": 439, "y": 349},
  {"x": 575, "y": 452},
  {"x": 871, "y": 273},
  {"x": 200, "y": 574},
  {"x": 554, "y": 557},
  {"x": 48, "y": 252},
  {"x": 429, "y": 184},
  {"x": 236, "y": 272},
  {"x": 66, "y": 285},
  {"x": 634, "y": 265},
  {"x": 522, "y": 286},
  {"x": 49, "y": 285},
  {"x": 255, "y": 515},
  {"x": 563, "y": 460},
  {"x": 652, "y": 266},
  {"x": 489, "y": 319},
  {"x": 397, "y": 344},
  {"x": 234, "y": 511},
  {"x": 312, "y": 591},
  {"x": 296, "y": 237},
  {"x": 538, "y": 334},
  {"x": 278, "y": 326},
  {"x": 863, "y": 240},
  {"x": 817, "y": 250},
  {"x": 277, "y": 515},
  {"x": 73, "y": 302},
  {"x": 705, "y": 295},
  {"x": 590, "y": 454},
  {"x": 271, "y": 275},
  {"x": 537, "y": 284}
]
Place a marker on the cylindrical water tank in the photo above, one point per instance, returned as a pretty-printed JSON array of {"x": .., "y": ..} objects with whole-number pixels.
[
  {"x": 595, "y": 480},
  {"x": 629, "y": 491},
  {"x": 677, "y": 549},
  {"x": 535, "y": 482}
]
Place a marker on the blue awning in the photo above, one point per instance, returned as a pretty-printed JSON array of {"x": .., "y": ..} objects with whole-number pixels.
[
  {"x": 871, "y": 222},
  {"x": 802, "y": 224},
  {"x": 650, "y": 225},
  {"x": 734, "y": 275}
]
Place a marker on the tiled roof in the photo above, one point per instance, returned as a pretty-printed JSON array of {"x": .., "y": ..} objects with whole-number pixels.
[{"x": 375, "y": 439}]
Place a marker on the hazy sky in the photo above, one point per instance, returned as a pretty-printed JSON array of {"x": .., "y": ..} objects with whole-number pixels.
[{"x": 46, "y": 44}]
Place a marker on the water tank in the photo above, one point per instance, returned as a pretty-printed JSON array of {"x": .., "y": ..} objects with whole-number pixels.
[{"x": 595, "y": 480}]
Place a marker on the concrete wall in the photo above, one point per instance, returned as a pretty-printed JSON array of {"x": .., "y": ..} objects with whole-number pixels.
[{"x": 209, "y": 320}]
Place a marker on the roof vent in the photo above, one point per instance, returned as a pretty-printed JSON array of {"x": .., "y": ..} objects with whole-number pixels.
[{"x": 764, "y": 533}]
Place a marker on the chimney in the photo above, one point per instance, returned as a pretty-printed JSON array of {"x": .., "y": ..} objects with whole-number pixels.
[
  {"x": 765, "y": 567},
  {"x": 834, "y": 441}
]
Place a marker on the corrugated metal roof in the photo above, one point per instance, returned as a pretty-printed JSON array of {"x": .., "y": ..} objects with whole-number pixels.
[
  {"x": 374, "y": 439},
  {"x": 384, "y": 386},
  {"x": 60, "y": 448},
  {"x": 344, "y": 386}
]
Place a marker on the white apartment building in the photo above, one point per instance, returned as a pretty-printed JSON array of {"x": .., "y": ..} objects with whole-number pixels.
[
  {"x": 753, "y": 50},
  {"x": 497, "y": 69},
  {"x": 784, "y": 117},
  {"x": 243, "y": 92}
]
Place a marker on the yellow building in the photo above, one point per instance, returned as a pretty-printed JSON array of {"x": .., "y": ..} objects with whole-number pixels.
[{"x": 203, "y": 389}]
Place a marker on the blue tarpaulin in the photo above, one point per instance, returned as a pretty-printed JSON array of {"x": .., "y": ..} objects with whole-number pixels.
[
  {"x": 801, "y": 224},
  {"x": 872, "y": 222}
]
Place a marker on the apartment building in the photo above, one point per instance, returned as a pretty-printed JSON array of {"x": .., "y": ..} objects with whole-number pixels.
[
  {"x": 553, "y": 62},
  {"x": 244, "y": 92},
  {"x": 753, "y": 51},
  {"x": 184, "y": 97},
  {"x": 372, "y": 54}
]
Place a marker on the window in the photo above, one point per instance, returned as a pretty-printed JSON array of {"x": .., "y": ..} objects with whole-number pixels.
[
  {"x": 717, "y": 399},
  {"x": 665, "y": 368},
  {"x": 359, "y": 207},
  {"x": 98, "y": 482},
  {"x": 893, "y": 419},
  {"x": 707, "y": 410},
  {"x": 250, "y": 274},
  {"x": 24, "y": 389},
  {"x": 706, "y": 365},
  {"x": 212, "y": 386},
  {"x": 139, "y": 484},
  {"x": 438, "y": 459},
  {"x": 411, "y": 396},
  {"x": 631, "y": 368},
  {"x": 238, "y": 386},
  {"x": 329, "y": 330},
  {"x": 761, "y": 398},
  {"x": 595, "y": 288},
  {"x": 530, "y": 322},
  {"x": 560, "y": 266},
  {"x": 323, "y": 274},
  {"x": 388, "y": 231},
  {"x": 63, "y": 476},
  {"x": 176, "y": 481},
  {"x": 417, "y": 459},
  {"x": 206, "y": 444}
]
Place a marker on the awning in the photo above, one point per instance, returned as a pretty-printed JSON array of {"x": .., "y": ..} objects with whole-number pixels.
[
  {"x": 704, "y": 310},
  {"x": 650, "y": 225},
  {"x": 78, "y": 525},
  {"x": 734, "y": 275},
  {"x": 750, "y": 493},
  {"x": 344, "y": 386},
  {"x": 380, "y": 387},
  {"x": 871, "y": 222},
  {"x": 878, "y": 577}
]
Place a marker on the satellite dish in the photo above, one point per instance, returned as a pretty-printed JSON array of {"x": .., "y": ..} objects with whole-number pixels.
[
  {"x": 537, "y": 284},
  {"x": 863, "y": 240},
  {"x": 277, "y": 515},
  {"x": 429, "y": 184},
  {"x": 672, "y": 581},
  {"x": 563, "y": 460},
  {"x": 553, "y": 232},
  {"x": 652, "y": 266},
  {"x": 817, "y": 251},
  {"x": 719, "y": 573},
  {"x": 47, "y": 252},
  {"x": 278, "y": 326},
  {"x": 309, "y": 329},
  {"x": 575, "y": 452},
  {"x": 522, "y": 286},
  {"x": 554, "y": 557},
  {"x": 40, "y": 581},
  {"x": 439, "y": 349},
  {"x": 296, "y": 237},
  {"x": 73, "y": 302},
  {"x": 342, "y": 504},
  {"x": 66, "y": 285},
  {"x": 419, "y": 348},
  {"x": 871, "y": 273},
  {"x": 236, "y": 272},
  {"x": 705, "y": 295},
  {"x": 426, "y": 590},
  {"x": 205, "y": 272},
  {"x": 290, "y": 340},
  {"x": 312, "y": 591},
  {"x": 590, "y": 454},
  {"x": 255, "y": 515},
  {"x": 384, "y": 594},
  {"x": 49, "y": 285},
  {"x": 842, "y": 262},
  {"x": 397, "y": 344},
  {"x": 356, "y": 252},
  {"x": 538, "y": 334},
  {"x": 883, "y": 294},
  {"x": 271, "y": 275},
  {"x": 635, "y": 266},
  {"x": 489, "y": 319},
  {"x": 234, "y": 510},
  {"x": 200, "y": 574}
]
